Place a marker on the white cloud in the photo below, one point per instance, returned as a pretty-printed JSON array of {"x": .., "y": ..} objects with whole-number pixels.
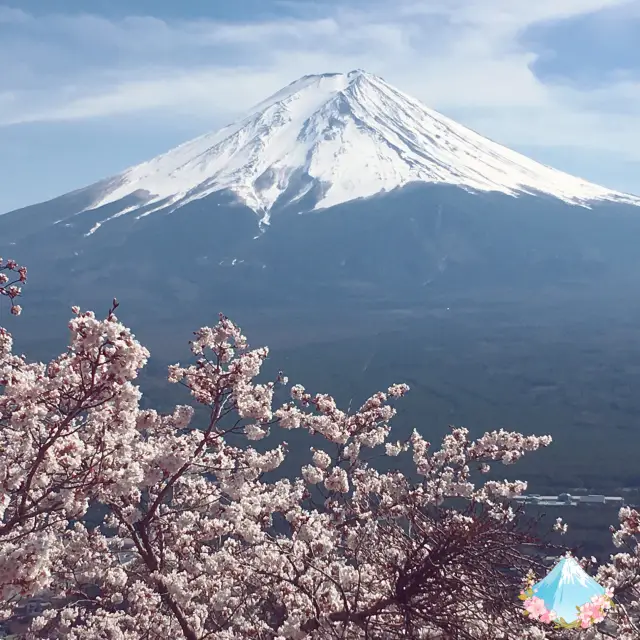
[
  {"x": 464, "y": 57},
  {"x": 10, "y": 15}
]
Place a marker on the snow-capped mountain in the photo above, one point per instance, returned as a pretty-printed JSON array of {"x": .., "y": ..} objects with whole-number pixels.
[
  {"x": 344, "y": 136},
  {"x": 401, "y": 206}
]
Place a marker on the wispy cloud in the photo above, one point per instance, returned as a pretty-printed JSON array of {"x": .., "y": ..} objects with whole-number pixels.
[{"x": 478, "y": 60}]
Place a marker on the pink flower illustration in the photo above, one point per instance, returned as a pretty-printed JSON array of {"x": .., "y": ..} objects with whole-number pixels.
[
  {"x": 535, "y": 607},
  {"x": 548, "y": 616}
]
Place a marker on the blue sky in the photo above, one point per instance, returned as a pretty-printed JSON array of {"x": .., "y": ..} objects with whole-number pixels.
[{"x": 88, "y": 89}]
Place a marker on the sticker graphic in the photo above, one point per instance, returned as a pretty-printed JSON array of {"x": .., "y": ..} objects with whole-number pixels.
[{"x": 568, "y": 597}]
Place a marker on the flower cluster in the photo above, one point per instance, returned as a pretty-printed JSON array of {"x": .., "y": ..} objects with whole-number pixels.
[
  {"x": 594, "y": 611},
  {"x": 11, "y": 288},
  {"x": 622, "y": 573},
  {"x": 537, "y": 610},
  {"x": 560, "y": 526}
]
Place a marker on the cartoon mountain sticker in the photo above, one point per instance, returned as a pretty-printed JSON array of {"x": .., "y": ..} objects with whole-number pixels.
[{"x": 568, "y": 597}]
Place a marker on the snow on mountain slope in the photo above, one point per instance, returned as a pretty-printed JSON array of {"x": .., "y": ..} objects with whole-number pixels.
[{"x": 352, "y": 135}]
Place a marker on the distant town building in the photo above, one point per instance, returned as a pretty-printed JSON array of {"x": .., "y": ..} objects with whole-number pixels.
[{"x": 567, "y": 500}]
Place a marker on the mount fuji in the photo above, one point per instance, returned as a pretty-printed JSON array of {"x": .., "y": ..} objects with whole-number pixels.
[
  {"x": 344, "y": 137},
  {"x": 338, "y": 189}
]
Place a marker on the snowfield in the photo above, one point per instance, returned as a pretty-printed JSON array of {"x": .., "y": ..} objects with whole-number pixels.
[{"x": 344, "y": 136}]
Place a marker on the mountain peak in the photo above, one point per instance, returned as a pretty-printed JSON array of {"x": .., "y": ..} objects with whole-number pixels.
[
  {"x": 350, "y": 75},
  {"x": 339, "y": 137},
  {"x": 356, "y": 73}
]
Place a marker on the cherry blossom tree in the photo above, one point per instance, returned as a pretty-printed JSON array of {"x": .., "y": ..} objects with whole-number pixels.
[{"x": 200, "y": 542}]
